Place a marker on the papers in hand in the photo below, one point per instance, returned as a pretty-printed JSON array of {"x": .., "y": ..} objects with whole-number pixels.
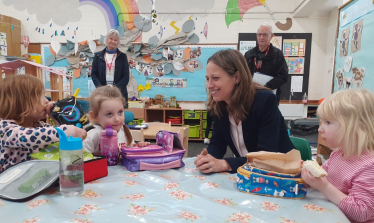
[{"x": 262, "y": 79}]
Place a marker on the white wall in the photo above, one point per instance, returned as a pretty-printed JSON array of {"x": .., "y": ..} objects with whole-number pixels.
[{"x": 322, "y": 26}]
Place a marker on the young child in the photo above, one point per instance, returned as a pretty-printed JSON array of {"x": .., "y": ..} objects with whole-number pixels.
[
  {"x": 107, "y": 109},
  {"x": 348, "y": 129},
  {"x": 23, "y": 105}
]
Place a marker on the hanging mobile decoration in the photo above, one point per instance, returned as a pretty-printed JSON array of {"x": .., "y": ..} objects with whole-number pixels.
[{"x": 153, "y": 12}]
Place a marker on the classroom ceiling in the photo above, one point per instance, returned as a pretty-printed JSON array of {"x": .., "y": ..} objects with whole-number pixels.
[{"x": 180, "y": 9}]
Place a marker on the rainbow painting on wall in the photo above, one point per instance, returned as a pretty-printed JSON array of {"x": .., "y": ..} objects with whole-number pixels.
[{"x": 115, "y": 11}]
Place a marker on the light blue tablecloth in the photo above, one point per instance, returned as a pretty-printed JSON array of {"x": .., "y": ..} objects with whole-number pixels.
[{"x": 177, "y": 195}]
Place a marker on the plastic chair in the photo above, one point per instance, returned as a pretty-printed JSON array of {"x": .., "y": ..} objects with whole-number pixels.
[{"x": 303, "y": 146}]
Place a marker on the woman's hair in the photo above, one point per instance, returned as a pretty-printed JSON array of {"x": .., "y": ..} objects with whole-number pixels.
[
  {"x": 20, "y": 96},
  {"x": 232, "y": 62},
  {"x": 101, "y": 94},
  {"x": 354, "y": 110},
  {"x": 111, "y": 32}
]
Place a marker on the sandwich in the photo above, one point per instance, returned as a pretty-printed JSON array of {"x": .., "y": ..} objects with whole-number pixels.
[{"x": 314, "y": 168}]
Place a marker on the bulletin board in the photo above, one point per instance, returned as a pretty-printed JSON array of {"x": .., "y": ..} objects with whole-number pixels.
[
  {"x": 81, "y": 82},
  {"x": 353, "y": 65},
  {"x": 10, "y": 28},
  {"x": 297, "y": 50},
  {"x": 193, "y": 83}
]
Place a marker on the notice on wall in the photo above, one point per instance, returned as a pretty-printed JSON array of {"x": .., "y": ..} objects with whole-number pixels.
[
  {"x": 3, "y": 45},
  {"x": 244, "y": 46},
  {"x": 167, "y": 82},
  {"x": 294, "y": 47},
  {"x": 277, "y": 42},
  {"x": 91, "y": 87},
  {"x": 295, "y": 65},
  {"x": 297, "y": 84}
]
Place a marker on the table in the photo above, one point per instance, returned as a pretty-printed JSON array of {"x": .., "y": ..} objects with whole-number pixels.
[{"x": 175, "y": 195}]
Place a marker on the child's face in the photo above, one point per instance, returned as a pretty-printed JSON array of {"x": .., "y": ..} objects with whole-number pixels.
[
  {"x": 111, "y": 114},
  {"x": 41, "y": 109},
  {"x": 329, "y": 132}
]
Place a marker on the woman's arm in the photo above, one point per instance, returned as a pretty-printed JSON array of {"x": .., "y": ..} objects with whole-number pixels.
[
  {"x": 125, "y": 73},
  {"x": 95, "y": 71},
  {"x": 268, "y": 118}
]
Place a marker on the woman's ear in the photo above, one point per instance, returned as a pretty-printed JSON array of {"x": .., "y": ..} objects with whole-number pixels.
[{"x": 237, "y": 77}]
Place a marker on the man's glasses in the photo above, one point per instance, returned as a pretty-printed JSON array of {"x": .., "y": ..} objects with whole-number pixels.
[{"x": 263, "y": 34}]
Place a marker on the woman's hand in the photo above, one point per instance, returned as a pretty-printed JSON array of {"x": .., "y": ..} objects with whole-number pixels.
[
  {"x": 80, "y": 133},
  {"x": 208, "y": 164},
  {"x": 142, "y": 144},
  {"x": 319, "y": 183}
]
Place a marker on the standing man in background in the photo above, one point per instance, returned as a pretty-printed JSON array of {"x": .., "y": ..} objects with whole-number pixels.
[{"x": 265, "y": 59}]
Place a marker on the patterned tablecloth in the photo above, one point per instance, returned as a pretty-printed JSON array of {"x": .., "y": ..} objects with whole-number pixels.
[{"x": 176, "y": 195}]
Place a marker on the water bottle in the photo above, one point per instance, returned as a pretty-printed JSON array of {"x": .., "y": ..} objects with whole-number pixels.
[
  {"x": 109, "y": 145},
  {"x": 305, "y": 99},
  {"x": 71, "y": 165}
]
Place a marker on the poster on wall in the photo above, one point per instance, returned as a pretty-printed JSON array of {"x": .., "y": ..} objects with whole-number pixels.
[
  {"x": 356, "y": 36},
  {"x": 344, "y": 41},
  {"x": 21, "y": 70},
  {"x": 3, "y": 45},
  {"x": 297, "y": 84},
  {"x": 244, "y": 46},
  {"x": 339, "y": 75},
  {"x": 277, "y": 42},
  {"x": 294, "y": 47},
  {"x": 295, "y": 65},
  {"x": 91, "y": 87},
  {"x": 167, "y": 82}
]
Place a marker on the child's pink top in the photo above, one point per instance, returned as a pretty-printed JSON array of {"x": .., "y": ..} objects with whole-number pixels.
[
  {"x": 355, "y": 178},
  {"x": 17, "y": 142}
]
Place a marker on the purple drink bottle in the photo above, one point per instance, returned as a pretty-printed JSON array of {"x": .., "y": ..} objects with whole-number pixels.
[{"x": 109, "y": 145}]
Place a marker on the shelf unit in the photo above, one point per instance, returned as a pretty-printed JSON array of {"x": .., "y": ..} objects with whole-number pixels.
[
  {"x": 161, "y": 114},
  {"x": 31, "y": 68}
]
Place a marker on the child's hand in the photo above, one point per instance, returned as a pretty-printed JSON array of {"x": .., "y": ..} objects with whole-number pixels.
[
  {"x": 80, "y": 133},
  {"x": 318, "y": 183},
  {"x": 142, "y": 144},
  {"x": 49, "y": 107}
]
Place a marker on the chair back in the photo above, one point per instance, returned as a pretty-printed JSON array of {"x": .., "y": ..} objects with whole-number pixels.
[
  {"x": 303, "y": 146},
  {"x": 184, "y": 132},
  {"x": 138, "y": 135}
]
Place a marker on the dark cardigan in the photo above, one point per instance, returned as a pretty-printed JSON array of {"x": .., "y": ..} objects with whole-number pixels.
[{"x": 264, "y": 129}]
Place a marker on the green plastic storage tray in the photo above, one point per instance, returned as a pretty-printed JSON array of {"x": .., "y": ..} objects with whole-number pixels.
[{"x": 192, "y": 114}]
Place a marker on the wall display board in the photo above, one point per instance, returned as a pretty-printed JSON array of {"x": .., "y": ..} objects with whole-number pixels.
[
  {"x": 184, "y": 85},
  {"x": 297, "y": 48},
  {"x": 353, "y": 66}
]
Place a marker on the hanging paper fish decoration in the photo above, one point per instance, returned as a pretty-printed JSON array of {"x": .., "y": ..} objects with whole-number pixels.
[
  {"x": 25, "y": 41},
  {"x": 205, "y": 31}
]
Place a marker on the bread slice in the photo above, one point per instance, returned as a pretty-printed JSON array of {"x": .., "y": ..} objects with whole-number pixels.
[{"x": 314, "y": 168}]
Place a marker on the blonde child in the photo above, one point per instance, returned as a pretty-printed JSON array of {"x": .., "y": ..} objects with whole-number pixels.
[
  {"x": 347, "y": 126},
  {"x": 107, "y": 109},
  {"x": 23, "y": 105}
]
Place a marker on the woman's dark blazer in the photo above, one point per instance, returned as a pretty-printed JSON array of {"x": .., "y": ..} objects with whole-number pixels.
[
  {"x": 121, "y": 72},
  {"x": 264, "y": 129}
]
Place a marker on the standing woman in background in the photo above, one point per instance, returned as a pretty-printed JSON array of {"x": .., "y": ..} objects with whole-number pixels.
[{"x": 110, "y": 66}]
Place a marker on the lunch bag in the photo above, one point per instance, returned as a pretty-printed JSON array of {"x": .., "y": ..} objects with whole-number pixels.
[
  {"x": 268, "y": 183},
  {"x": 167, "y": 154}
]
